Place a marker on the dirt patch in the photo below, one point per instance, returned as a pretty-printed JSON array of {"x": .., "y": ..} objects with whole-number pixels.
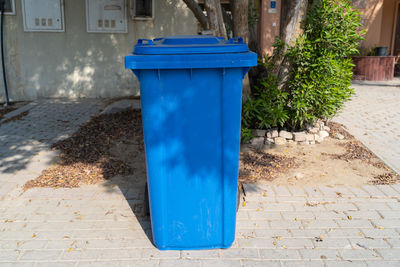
[
  {"x": 356, "y": 150},
  {"x": 256, "y": 165},
  {"x": 337, "y": 128},
  {"x": 333, "y": 162},
  {"x": 86, "y": 157}
]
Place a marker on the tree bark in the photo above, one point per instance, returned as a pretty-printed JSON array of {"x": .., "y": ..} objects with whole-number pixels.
[
  {"x": 293, "y": 14},
  {"x": 240, "y": 21},
  {"x": 214, "y": 13},
  {"x": 240, "y": 18},
  {"x": 198, "y": 13}
]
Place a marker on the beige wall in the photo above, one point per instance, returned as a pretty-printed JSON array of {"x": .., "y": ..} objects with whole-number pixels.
[
  {"x": 269, "y": 26},
  {"x": 80, "y": 64},
  {"x": 378, "y": 21}
]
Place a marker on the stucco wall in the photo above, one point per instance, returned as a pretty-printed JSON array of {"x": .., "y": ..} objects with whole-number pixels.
[
  {"x": 80, "y": 64},
  {"x": 378, "y": 21}
]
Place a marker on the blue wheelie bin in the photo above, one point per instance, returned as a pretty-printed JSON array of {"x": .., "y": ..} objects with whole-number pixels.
[{"x": 191, "y": 91}]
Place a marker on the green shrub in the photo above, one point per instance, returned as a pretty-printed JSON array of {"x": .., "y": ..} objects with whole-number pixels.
[{"x": 319, "y": 75}]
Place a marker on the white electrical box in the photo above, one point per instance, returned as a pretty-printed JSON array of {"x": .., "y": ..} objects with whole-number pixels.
[
  {"x": 43, "y": 15},
  {"x": 106, "y": 16}
]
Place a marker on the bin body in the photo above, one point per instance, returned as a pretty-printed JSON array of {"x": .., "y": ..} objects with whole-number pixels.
[{"x": 191, "y": 122}]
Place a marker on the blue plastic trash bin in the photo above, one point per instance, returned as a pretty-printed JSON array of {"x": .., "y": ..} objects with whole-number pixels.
[{"x": 191, "y": 91}]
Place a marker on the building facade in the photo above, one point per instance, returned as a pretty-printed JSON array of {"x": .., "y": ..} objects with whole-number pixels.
[{"x": 76, "y": 61}]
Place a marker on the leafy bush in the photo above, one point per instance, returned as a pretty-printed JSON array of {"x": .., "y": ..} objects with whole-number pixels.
[{"x": 320, "y": 70}]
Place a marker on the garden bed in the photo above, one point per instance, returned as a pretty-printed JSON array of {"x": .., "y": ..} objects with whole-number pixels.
[{"x": 111, "y": 145}]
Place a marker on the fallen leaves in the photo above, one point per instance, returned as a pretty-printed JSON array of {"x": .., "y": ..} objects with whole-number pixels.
[
  {"x": 338, "y": 128},
  {"x": 17, "y": 117},
  {"x": 85, "y": 157},
  {"x": 386, "y": 178},
  {"x": 258, "y": 165}
]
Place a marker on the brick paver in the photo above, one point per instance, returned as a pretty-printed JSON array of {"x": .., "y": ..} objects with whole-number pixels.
[
  {"x": 373, "y": 117},
  {"x": 104, "y": 224}
]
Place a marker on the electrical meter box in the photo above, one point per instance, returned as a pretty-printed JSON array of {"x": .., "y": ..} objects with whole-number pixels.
[
  {"x": 9, "y": 7},
  {"x": 43, "y": 15},
  {"x": 106, "y": 16}
]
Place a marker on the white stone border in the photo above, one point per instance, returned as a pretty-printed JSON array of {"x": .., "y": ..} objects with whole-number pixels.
[{"x": 313, "y": 134}]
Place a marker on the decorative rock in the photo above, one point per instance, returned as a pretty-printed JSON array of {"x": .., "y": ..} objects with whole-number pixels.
[
  {"x": 271, "y": 140},
  {"x": 310, "y": 137},
  {"x": 313, "y": 130},
  {"x": 319, "y": 140},
  {"x": 303, "y": 143},
  {"x": 257, "y": 141},
  {"x": 312, "y": 142},
  {"x": 339, "y": 136},
  {"x": 279, "y": 141},
  {"x": 326, "y": 128},
  {"x": 274, "y": 133},
  {"x": 321, "y": 124},
  {"x": 299, "y": 136},
  {"x": 299, "y": 175},
  {"x": 258, "y": 133},
  {"x": 291, "y": 143},
  {"x": 323, "y": 134},
  {"x": 286, "y": 134}
]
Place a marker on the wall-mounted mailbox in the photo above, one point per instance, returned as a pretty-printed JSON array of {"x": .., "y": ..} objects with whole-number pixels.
[
  {"x": 106, "y": 16},
  {"x": 43, "y": 15}
]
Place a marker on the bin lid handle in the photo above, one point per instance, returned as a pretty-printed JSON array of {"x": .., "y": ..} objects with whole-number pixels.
[
  {"x": 236, "y": 40},
  {"x": 145, "y": 42}
]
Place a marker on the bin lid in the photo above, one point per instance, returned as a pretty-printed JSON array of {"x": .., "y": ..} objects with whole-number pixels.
[{"x": 190, "y": 44}]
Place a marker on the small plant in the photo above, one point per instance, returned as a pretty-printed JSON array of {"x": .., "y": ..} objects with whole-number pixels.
[{"x": 320, "y": 70}]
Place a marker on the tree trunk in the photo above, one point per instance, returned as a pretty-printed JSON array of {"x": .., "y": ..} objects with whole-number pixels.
[
  {"x": 240, "y": 21},
  {"x": 240, "y": 18},
  {"x": 214, "y": 13},
  {"x": 253, "y": 41},
  {"x": 198, "y": 13},
  {"x": 292, "y": 16}
]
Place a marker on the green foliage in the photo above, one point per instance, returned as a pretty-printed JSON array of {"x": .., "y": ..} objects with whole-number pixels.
[{"x": 320, "y": 70}]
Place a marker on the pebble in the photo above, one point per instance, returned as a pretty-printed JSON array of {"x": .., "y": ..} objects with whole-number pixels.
[
  {"x": 274, "y": 133},
  {"x": 280, "y": 141},
  {"x": 258, "y": 133},
  {"x": 339, "y": 136},
  {"x": 257, "y": 141},
  {"x": 326, "y": 128},
  {"x": 271, "y": 140},
  {"x": 286, "y": 134},
  {"x": 323, "y": 134},
  {"x": 299, "y": 136},
  {"x": 310, "y": 137},
  {"x": 299, "y": 175}
]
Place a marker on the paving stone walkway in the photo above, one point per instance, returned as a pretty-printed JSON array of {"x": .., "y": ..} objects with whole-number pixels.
[
  {"x": 104, "y": 224},
  {"x": 373, "y": 117}
]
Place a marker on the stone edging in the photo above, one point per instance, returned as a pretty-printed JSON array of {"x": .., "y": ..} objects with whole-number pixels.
[{"x": 313, "y": 134}]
